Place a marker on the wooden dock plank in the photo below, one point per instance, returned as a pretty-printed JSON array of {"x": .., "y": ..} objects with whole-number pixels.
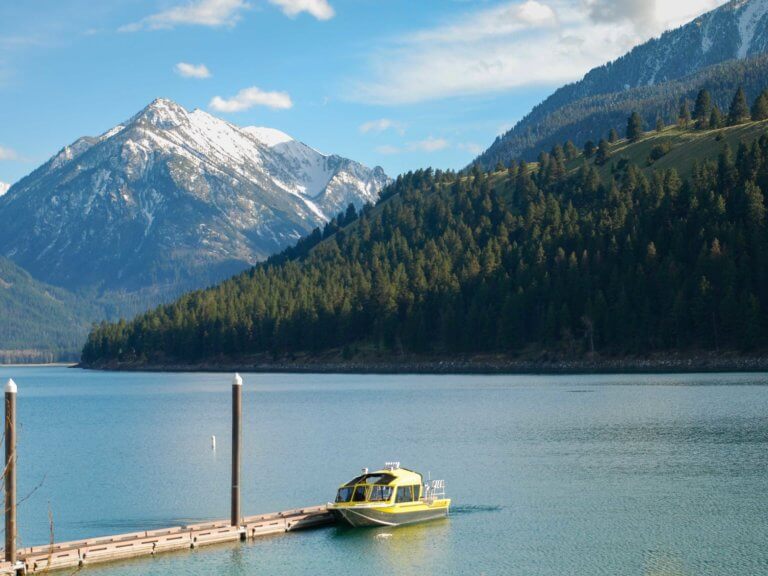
[{"x": 62, "y": 555}]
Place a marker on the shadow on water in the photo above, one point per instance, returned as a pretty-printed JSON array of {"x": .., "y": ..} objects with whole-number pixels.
[{"x": 475, "y": 509}]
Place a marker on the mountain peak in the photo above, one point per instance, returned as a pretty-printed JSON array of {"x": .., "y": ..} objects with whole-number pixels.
[
  {"x": 195, "y": 197},
  {"x": 163, "y": 113}
]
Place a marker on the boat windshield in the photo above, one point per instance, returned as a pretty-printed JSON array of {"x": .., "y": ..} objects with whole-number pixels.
[
  {"x": 380, "y": 494},
  {"x": 344, "y": 494}
]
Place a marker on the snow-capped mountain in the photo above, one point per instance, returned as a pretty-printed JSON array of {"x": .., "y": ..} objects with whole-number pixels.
[
  {"x": 172, "y": 197},
  {"x": 4, "y": 188},
  {"x": 735, "y": 31}
]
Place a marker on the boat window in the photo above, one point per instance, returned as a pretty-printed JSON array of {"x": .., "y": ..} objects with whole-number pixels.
[
  {"x": 371, "y": 479},
  {"x": 380, "y": 493},
  {"x": 404, "y": 494},
  {"x": 416, "y": 492},
  {"x": 359, "y": 495},
  {"x": 344, "y": 494}
]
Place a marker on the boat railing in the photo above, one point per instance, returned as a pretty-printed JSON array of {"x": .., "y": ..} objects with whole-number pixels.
[{"x": 434, "y": 490}]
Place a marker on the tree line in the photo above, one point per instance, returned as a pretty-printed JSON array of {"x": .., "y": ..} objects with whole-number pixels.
[{"x": 526, "y": 261}]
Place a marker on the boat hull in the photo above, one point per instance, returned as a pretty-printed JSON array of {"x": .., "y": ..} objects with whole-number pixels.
[{"x": 360, "y": 516}]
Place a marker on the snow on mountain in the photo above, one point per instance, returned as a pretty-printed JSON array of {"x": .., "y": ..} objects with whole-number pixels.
[
  {"x": 4, "y": 188},
  {"x": 173, "y": 197},
  {"x": 736, "y": 30}
]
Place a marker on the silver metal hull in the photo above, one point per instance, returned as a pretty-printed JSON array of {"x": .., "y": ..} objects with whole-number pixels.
[{"x": 360, "y": 517}]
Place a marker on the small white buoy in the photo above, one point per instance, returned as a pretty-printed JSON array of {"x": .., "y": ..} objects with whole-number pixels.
[{"x": 213, "y": 443}]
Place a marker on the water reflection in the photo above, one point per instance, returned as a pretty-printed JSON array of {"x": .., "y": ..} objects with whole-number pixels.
[{"x": 398, "y": 550}]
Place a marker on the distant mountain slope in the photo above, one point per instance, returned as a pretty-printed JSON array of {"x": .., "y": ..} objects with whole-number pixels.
[
  {"x": 172, "y": 199},
  {"x": 4, "y": 188},
  {"x": 40, "y": 323},
  {"x": 736, "y": 31}
]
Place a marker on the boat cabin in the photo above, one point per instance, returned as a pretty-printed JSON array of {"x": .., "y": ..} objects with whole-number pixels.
[{"x": 392, "y": 485}]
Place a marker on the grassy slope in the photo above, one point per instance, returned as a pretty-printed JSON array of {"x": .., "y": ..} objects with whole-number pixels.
[
  {"x": 33, "y": 312},
  {"x": 688, "y": 146}
]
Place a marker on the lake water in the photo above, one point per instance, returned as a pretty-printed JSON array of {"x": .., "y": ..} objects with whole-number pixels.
[{"x": 550, "y": 475}]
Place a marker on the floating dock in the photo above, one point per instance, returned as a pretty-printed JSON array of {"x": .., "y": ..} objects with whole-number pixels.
[
  {"x": 56, "y": 556},
  {"x": 63, "y": 555}
]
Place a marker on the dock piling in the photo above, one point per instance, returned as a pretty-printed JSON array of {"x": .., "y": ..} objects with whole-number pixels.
[
  {"x": 10, "y": 471},
  {"x": 237, "y": 411}
]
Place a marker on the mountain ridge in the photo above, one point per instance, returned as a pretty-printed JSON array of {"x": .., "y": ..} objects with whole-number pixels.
[
  {"x": 737, "y": 30},
  {"x": 173, "y": 197}
]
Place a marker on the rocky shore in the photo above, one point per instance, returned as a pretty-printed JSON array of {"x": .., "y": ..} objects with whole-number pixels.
[{"x": 678, "y": 363}]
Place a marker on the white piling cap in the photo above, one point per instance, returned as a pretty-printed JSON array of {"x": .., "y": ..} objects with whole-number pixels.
[
  {"x": 10, "y": 387},
  {"x": 237, "y": 380}
]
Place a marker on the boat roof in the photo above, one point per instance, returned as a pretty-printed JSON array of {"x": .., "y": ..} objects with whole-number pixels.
[{"x": 388, "y": 477}]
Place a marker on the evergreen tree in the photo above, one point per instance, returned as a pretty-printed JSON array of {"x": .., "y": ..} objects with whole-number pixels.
[
  {"x": 589, "y": 149},
  {"x": 613, "y": 136},
  {"x": 716, "y": 118},
  {"x": 739, "y": 110},
  {"x": 684, "y": 116},
  {"x": 571, "y": 151},
  {"x": 760, "y": 107},
  {"x": 603, "y": 153},
  {"x": 702, "y": 109},
  {"x": 659, "y": 124},
  {"x": 634, "y": 127}
]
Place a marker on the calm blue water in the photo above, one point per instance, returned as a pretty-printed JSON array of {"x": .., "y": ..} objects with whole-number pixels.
[{"x": 572, "y": 475}]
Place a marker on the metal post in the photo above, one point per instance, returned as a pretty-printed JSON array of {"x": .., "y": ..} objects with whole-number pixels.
[
  {"x": 237, "y": 411},
  {"x": 10, "y": 471}
]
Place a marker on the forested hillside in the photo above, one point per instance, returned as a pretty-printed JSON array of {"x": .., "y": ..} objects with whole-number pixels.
[
  {"x": 611, "y": 257},
  {"x": 35, "y": 312}
]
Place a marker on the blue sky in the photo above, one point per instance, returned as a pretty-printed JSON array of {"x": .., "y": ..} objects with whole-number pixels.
[{"x": 398, "y": 83}]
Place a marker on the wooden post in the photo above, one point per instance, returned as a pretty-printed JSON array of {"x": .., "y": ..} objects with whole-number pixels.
[
  {"x": 237, "y": 411},
  {"x": 10, "y": 471}
]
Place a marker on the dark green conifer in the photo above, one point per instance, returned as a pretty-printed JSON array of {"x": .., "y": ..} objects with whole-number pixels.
[
  {"x": 716, "y": 118},
  {"x": 760, "y": 107},
  {"x": 634, "y": 127},
  {"x": 739, "y": 110},
  {"x": 603, "y": 153},
  {"x": 702, "y": 109}
]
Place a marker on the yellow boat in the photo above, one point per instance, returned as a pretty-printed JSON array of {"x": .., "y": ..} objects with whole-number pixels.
[{"x": 392, "y": 496}]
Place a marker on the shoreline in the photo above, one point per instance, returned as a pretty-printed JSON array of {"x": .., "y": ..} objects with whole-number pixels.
[
  {"x": 40, "y": 365},
  {"x": 467, "y": 365}
]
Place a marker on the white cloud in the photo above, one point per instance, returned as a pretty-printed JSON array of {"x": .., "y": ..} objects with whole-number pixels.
[
  {"x": 430, "y": 144},
  {"x": 471, "y": 147},
  {"x": 187, "y": 70},
  {"x": 382, "y": 125},
  {"x": 212, "y": 13},
  {"x": 388, "y": 150},
  {"x": 4, "y": 188},
  {"x": 320, "y": 9},
  {"x": 8, "y": 153},
  {"x": 514, "y": 44},
  {"x": 250, "y": 97}
]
